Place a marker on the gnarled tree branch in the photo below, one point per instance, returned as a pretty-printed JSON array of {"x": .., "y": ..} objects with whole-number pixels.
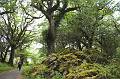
[{"x": 5, "y": 12}]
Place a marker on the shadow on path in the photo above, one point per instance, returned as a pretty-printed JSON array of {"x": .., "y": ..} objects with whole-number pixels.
[{"x": 14, "y": 74}]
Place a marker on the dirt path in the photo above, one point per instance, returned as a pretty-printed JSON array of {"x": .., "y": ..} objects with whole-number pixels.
[{"x": 14, "y": 74}]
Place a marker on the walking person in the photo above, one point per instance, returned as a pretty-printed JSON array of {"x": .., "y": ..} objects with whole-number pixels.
[{"x": 19, "y": 65}]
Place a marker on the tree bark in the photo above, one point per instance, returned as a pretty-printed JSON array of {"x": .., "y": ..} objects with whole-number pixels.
[
  {"x": 51, "y": 36},
  {"x": 6, "y": 52},
  {"x": 12, "y": 53},
  {"x": 4, "y": 58},
  {"x": 1, "y": 56}
]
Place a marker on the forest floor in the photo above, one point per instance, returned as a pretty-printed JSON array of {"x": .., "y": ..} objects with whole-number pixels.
[{"x": 13, "y": 74}]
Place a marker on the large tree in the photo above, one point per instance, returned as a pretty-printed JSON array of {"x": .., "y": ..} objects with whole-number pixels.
[{"x": 54, "y": 11}]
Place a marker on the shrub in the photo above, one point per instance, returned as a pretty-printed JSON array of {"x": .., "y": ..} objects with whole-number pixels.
[
  {"x": 71, "y": 58},
  {"x": 114, "y": 69},
  {"x": 34, "y": 71},
  {"x": 57, "y": 75},
  {"x": 87, "y": 70},
  {"x": 72, "y": 64},
  {"x": 27, "y": 70},
  {"x": 68, "y": 61}
]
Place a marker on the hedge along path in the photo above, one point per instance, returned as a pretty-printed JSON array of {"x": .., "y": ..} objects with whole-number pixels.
[{"x": 14, "y": 74}]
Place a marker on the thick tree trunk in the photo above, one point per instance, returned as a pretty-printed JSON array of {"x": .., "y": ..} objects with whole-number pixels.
[
  {"x": 50, "y": 47},
  {"x": 1, "y": 56},
  {"x": 12, "y": 53},
  {"x": 51, "y": 37},
  {"x": 5, "y": 54}
]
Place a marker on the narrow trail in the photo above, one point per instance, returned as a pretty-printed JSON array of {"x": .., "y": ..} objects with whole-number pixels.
[{"x": 14, "y": 74}]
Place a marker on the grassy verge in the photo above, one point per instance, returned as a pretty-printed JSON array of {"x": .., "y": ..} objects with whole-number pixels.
[{"x": 5, "y": 67}]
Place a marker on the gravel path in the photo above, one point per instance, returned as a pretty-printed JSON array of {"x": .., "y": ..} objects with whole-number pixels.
[{"x": 14, "y": 74}]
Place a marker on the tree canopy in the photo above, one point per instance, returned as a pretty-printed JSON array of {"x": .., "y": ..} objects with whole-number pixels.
[{"x": 61, "y": 38}]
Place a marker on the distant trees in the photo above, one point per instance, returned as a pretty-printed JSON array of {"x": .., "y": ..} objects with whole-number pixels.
[{"x": 14, "y": 33}]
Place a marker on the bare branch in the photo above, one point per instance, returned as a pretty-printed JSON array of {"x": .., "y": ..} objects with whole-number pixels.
[
  {"x": 55, "y": 7},
  {"x": 71, "y": 9},
  {"x": 40, "y": 8},
  {"x": 34, "y": 17},
  {"x": 5, "y": 12}
]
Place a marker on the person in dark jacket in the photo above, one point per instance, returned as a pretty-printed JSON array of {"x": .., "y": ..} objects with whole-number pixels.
[{"x": 19, "y": 65}]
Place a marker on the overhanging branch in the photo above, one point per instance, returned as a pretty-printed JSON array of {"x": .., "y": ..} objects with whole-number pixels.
[
  {"x": 71, "y": 9},
  {"x": 55, "y": 6},
  {"x": 40, "y": 8},
  {"x": 5, "y": 12}
]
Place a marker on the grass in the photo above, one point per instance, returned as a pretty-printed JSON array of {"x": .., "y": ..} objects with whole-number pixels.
[{"x": 5, "y": 67}]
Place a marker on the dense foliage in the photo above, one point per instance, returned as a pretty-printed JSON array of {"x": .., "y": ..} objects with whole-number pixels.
[
  {"x": 76, "y": 64},
  {"x": 61, "y": 39}
]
